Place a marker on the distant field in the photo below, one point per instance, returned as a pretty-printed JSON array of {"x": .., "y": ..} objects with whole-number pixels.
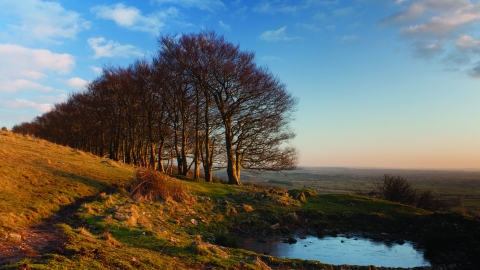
[{"x": 460, "y": 188}]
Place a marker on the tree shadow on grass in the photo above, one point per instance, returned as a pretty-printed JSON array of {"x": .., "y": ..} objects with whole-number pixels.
[{"x": 88, "y": 181}]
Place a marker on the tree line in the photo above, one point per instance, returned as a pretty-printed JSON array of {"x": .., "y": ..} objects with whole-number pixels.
[{"x": 201, "y": 103}]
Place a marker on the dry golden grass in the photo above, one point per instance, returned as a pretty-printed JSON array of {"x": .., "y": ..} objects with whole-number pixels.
[
  {"x": 38, "y": 177},
  {"x": 151, "y": 185}
]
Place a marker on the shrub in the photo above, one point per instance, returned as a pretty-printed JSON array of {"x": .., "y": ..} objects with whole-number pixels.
[
  {"x": 395, "y": 189},
  {"x": 398, "y": 189},
  {"x": 151, "y": 185}
]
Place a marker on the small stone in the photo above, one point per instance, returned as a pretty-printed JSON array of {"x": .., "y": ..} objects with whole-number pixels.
[
  {"x": 274, "y": 227},
  {"x": 15, "y": 236}
]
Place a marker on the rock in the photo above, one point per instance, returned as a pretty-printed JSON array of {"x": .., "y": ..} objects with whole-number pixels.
[
  {"x": 194, "y": 221},
  {"x": 231, "y": 211},
  {"x": 260, "y": 263},
  {"x": 292, "y": 240},
  {"x": 301, "y": 197},
  {"x": 211, "y": 239},
  {"x": 275, "y": 226},
  {"x": 292, "y": 216},
  {"x": 15, "y": 236}
]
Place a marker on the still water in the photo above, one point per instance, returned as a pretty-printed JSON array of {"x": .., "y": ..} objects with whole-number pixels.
[{"x": 340, "y": 250}]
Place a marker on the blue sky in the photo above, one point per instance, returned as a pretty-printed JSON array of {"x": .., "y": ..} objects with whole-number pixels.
[{"x": 381, "y": 83}]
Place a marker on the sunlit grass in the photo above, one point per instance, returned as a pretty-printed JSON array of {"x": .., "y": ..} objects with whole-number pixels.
[{"x": 38, "y": 177}]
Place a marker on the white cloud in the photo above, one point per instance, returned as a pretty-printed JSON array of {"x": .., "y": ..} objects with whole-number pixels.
[
  {"x": 349, "y": 38},
  {"x": 276, "y": 35},
  {"x": 467, "y": 42},
  {"x": 440, "y": 30},
  {"x": 96, "y": 70},
  {"x": 22, "y": 84},
  {"x": 267, "y": 7},
  {"x": 209, "y": 5},
  {"x": 273, "y": 7},
  {"x": 22, "y": 104},
  {"x": 436, "y": 17},
  {"x": 442, "y": 25},
  {"x": 40, "y": 20},
  {"x": 133, "y": 19},
  {"x": 110, "y": 48},
  {"x": 21, "y": 62},
  {"x": 342, "y": 12},
  {"x": 224, "y": 26},
  {"x": 77, "y": 82},
  {"x": 269, "y": 58}
]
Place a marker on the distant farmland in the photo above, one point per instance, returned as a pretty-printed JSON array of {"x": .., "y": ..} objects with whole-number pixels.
[{"x": 461, "y": 189}]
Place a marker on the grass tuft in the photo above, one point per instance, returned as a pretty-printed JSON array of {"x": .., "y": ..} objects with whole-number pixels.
[{"x": 150, "y": 185}]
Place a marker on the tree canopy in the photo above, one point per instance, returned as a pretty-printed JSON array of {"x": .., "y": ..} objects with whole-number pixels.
[{"x": 200, "y": 102}]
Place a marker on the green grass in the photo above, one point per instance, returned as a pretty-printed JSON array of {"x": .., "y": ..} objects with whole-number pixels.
[
  {"x": 38, "y": 177},
  {"x": 112, "y": 231}
]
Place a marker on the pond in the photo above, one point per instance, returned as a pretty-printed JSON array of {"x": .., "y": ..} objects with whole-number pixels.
[{"x": 340, "y": 250}]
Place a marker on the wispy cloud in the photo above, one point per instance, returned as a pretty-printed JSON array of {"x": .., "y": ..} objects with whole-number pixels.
[
  {"x": 276, "y": 35},
  {"x": 224, "y": 25},
  {"x": 133, "y": 19},
  {"x": 438, "y": 30},
  {"x": 311, "y": 27},
  {"x": 208, "y": 5},
  {"x": 269, "y": 58},
  {"x": 348, "y": 38},
  {"x": 22, "y": 104},
  {"x": 273, "y": 7},
  {"x": 342, "y": 12},
  {"x": 35, "y": 20},
  {"x": 269, "y": 8},
  {"x": 110, "y": 48},
  {"x": 426, "y": 49},
  {"x": 22, "y": 84},
  {"x": 475, "y": 71}
]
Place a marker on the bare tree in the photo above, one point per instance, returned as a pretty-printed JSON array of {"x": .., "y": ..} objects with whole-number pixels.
[
  {"x": 254, "y": 107},
  {"x": 201, "y": 100}
]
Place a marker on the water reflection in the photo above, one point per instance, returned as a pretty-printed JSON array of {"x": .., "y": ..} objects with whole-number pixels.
[{"x": 341, "y": 250}]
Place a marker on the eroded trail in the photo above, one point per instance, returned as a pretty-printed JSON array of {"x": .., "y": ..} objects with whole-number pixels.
[{"x": 42, "y": 238}]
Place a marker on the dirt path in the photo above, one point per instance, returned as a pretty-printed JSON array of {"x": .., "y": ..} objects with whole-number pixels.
[{"x": 41, "y": 238}]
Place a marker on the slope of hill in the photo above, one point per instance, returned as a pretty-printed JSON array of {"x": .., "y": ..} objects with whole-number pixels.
[
  {"x": 63, "y": 209},
  {"x": 37, "y": 177}
]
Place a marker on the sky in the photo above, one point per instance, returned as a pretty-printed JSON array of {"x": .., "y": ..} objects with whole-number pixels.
[{"x": 380, "y": 83}]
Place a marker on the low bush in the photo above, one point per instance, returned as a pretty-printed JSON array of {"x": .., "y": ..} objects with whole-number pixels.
[
  {"x": 151, "y": 185},
  {"x": 398, "y": 189}
]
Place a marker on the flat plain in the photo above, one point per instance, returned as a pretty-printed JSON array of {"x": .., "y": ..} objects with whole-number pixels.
[{"x": 459, "y": 188}]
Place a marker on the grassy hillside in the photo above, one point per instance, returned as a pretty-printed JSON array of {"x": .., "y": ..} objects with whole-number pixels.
[
  {"x": 37, "y": 177},
  {"x": 58, "y": 210}
]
